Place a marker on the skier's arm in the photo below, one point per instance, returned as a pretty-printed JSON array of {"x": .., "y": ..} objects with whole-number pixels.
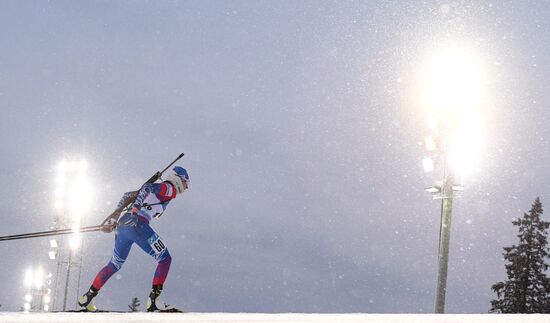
[
  {"x": 109, "y": 224},
  {"x": 166, "y": 191},
  {"x": 125, "y": 200}
]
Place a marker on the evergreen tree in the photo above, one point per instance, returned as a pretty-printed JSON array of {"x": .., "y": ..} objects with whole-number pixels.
[
  {"x": 134, "y": 305},
  {"x": 527, "y": 289}
]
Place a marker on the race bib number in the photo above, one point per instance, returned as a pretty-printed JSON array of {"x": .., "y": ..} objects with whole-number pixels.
[{"x": 156, "y": 244}]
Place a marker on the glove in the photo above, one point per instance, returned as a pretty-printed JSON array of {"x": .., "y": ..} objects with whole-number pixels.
[{"x": 109, "y": 225}]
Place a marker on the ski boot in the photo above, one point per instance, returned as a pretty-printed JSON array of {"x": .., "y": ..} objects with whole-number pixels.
[
  {"x": 155, "y": 303},
  {"x": 85, "y": 301}
]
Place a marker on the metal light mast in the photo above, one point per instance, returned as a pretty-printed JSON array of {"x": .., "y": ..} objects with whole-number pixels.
[
  {"x": 72, "y": 200},
  {"x": 452, "y": 94}
]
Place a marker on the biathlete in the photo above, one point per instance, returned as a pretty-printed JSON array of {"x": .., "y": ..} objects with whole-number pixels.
[{"x": 133, "y": 227}]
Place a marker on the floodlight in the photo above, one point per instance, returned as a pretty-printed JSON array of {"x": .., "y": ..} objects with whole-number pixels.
[
  {"x": 73, "y": 166},
  {"x": 58, "y": 205},
  {"x": 27, "y": 307},
  {"x": 28, "y": 298},
  {"x": 47, "y": 299},
  {"x": 74, "y": 241},
  {"x": 428, "y": 164},
  {"x": 39, "y": 278},
  {"x": 61, "y": 179},
  {"x": 79, "y": 198},
  {"x": 51, "y": 255},
  {"x": 29, "y": 278},
  {"x": 62, "y": 166},
  {"x": 59, "y": 192},
  {"x": 467, "y": 145},
  {"x": 433, "y": 189},
  {"x": 453, "y": 79},
  {"x": 430, "y": 143},
  {"x": 432, "y": 123},
  {"x": 53, "y": 243}
]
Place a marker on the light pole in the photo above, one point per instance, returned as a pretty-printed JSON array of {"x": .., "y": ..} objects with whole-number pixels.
[
  {"x": 446, "y": 193},
  {"x": 444, "y": 239},
  {"x": 67, "y": 280},
  {"x": 451, "y": 94},
  {"x": 72, "y": 201}
]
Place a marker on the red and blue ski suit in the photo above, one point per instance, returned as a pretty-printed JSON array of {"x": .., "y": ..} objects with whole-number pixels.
[{"x": 151, "y": 202}]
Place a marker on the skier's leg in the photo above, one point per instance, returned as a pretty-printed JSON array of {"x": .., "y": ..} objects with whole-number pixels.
[
  {"x": 120, "y": 253},
  {"x": 152, "y": 244},
  {"x": 163, "y": 267}
]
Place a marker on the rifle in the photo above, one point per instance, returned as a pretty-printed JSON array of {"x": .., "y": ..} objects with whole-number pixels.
[
  {"x": 93, "y": 228},
  {"x": 126, "y": 204}
]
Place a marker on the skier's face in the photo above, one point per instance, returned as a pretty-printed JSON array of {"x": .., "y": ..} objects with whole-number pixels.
[{"x": 185, "y": 184}]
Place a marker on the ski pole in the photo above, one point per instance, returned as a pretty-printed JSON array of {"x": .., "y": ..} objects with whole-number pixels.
[{"x": 49, "y": 233}]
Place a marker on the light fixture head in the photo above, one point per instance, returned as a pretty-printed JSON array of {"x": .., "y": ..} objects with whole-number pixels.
[{"x": 433, "y": 189}]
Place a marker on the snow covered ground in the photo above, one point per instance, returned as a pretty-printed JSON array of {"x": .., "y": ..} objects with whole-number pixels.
[{"x": 7, "y": 317}]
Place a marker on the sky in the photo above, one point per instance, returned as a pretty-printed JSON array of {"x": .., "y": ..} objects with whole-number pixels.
[{"x": 302, "y": 135}]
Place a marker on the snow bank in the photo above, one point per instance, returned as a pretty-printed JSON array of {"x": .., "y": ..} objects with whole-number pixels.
[{"x": 7, "y": 317}]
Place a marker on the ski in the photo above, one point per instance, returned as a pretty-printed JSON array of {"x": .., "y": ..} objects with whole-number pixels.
[
  {"x": 110, "y": 311},
  {"x": 173, "y": 310}
]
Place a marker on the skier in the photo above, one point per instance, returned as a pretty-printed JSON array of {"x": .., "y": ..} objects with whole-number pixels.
[{"x": 133, "y": 227}]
